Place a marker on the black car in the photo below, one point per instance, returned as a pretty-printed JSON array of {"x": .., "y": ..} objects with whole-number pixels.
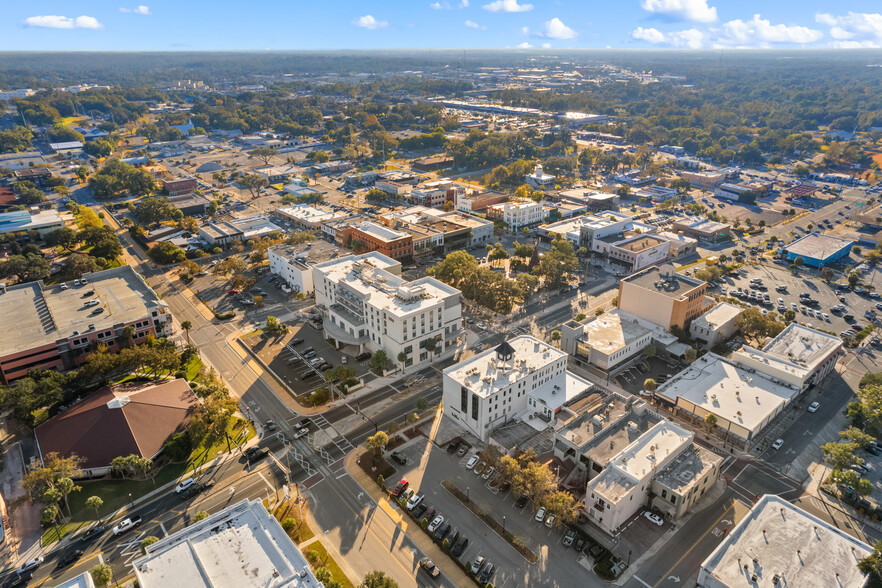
[
  {"x": 68, "y": 558},
  {"x": 442, "y": 531},
  {"x": 418, "y": 510},
  {"x": 454, "y": 536},
  {"x": 848, "y": 318},
  {"x": 399, "y": 458},
  {"x": 363, "y": 356},
  {"x": 258, "y": 455},
  {"x": 19, "y": 580},
  {"x": 196, "y": 489},
  {"x": 460, "y": 546},
  {"x": 93, "y": 533},
  {"x": 487, "y": 573},
  {"x": 307, "y": 374},
  {"x": 521, "y": 501},
  {"x": 453, "y": 447},
  {"x": 295, "y": 341}
]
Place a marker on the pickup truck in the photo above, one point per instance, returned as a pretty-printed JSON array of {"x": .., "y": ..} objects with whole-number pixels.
[{"x": 127, "y": 525}]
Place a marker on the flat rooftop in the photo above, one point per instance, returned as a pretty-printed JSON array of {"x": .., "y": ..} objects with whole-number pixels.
[
  {"x": 779, "y": 540},
  {"x": 721, "y": 314},
  {"x": 803, "y": 345},
  {"x": 45, "y": 314},
  {"x": 242, "y": 545},
  {"x": 687, "y": 468},
  {"x": 380, "y": 232},
  {"x": 311, "y": 214},
  {"x": 484, "y": 373},
  {"x": 609, "y": 333},
  {"x": 672, "y": 284},
  {"x": 308, "y": 254},
  {"x": 702, "y": 225},
  {"x": 721, "y": 387},
  {"x": 641, "y": 244},
  {"x": 818, "y": 246}
]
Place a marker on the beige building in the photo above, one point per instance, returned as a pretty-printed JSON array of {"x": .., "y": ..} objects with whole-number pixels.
[
  {"x": 663, "y": 297},
  {"x": 716, "y": 325},
  {"x": 611, "y": 340}
]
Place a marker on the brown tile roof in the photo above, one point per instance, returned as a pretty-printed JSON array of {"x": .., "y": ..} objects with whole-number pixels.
[
  {"x": 120, "y": 420},
  {"x": 7, "y": 197}
]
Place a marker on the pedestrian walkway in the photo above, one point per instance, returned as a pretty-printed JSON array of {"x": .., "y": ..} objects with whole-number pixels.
[{"x": 423, "y": 542}]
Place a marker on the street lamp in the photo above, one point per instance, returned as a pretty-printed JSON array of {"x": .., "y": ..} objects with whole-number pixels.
[
  {"x": 467, "y": 494},
  {"x": 503, "y": 524},
  {"x": 131, "y": 502}
]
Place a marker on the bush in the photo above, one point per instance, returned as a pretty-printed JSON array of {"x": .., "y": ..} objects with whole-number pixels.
[
  {"x": 381, "y": 481},
  {"x": 179, "y": 446},
  {"x": 222, "y": 316},
  {"x": 424, "y": 523},
  {"x": 445, "y": 545},
  {"x": 289, "y": 525}
]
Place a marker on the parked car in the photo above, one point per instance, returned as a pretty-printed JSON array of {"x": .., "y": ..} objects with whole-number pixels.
[
  {"x": 549, "y": 522},
  {"x": 579, "y": 545},
  {"x": 414, "y": 501},
  {"x": 471, "y": 462},
  {"x": 488, "y": 473},
  {"x": 430, "y": 568},
  {"x": 29, "y": 566},
  {"x": 778, "y": 444},
  {"x": 540, "y": 514},
  {"x": 479, "y": 469},
  {"x": 430, "y": 514},
  {"x": 400, "y": 487},
  {"x": 399, "y": 458},
  {"x": 418, "y": 511},
  {"x": 653, "y": 518},
  {"x": 442, "y": 531},
  {"x": 462, "y": 450},
  {"x": 521, "y": 501},
  {"x": 460, "y": 546},
  {"x": 436, "y": 522},
  {"x": 477, "y": 564},
  {"x": 363, "y": 356},
  {"x": 295, "y": 342},
  {"x": 569, "y": 538},
  {"x": 487, "y": 573}
]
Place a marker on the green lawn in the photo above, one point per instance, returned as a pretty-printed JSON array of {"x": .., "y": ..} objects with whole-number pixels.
[
  {"x": 325, "y": 560},
  {"x": 53, "y": 534},
  {"x": 204, "y": 454},
  {"x": 191, "y": 370}
]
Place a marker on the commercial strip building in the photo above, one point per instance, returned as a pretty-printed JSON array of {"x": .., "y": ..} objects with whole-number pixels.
[
  {"x": 434, "y": 231},
  {"x": 656, "y": 193},
  {"x": 55, "y": 327},
  {"x": 716, "y": 325},
  {"x": 364, "y": 302},
  {"x": 22, "y": 220},
  {"x": 779, "y": 544},
  {"x": 190, "y": 204},
  {"x": 702, "y": 228},
  {"x": 522, "y": 378},
  {"x": 679, "y": 244},
  {"x": 663, "y": 297},
  {"x": 819, "y": 250},
  {"x": 294, "y": 263},
  {"x": 370, "y": 236},
  {"x": 239, "y": 229},
  {"x": 592, "y": 200},
  {"x": 243, "y": 545},
  {"x": 475, "y": 201}
]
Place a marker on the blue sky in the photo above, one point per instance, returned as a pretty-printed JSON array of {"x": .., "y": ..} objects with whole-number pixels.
[{"x": 98, "y": 25}]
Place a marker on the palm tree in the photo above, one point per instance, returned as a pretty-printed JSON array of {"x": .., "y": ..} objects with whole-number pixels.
[{"x": 187, "y": 325}]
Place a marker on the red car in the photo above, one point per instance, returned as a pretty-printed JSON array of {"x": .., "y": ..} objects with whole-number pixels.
[
  {"x": 400, "y": 487},
  {"x": 234, "y": 291}
]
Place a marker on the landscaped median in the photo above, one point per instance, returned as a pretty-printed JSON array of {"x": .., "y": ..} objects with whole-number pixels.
[{"x": 512, "y": 539}]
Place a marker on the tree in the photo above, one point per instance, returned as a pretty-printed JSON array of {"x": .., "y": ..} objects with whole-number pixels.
[
  {"x": 851, "y": 478},
  {"x": 132, "y": 465},
  {"x": 147, "y": 542},
  {"x": 275, "y": 327},
  {"x": 377, "y": 579},
  {"x": 187, "y": 325},
  {"x": 155, "y": 209},
  {"x": 199, "y": 516},
  {"x": 320, "y": 156},
  {"x": 212, "y": 418},
  {"x": 323, "y": 575},
  {"x": 691, "y": 354},
  {"x": 422, "y": 403},
  {"x": 265, "y": 154},
  {"x": 841, "y": 456},
  {"x": 557, "y": 263},
  {"x": 379, "y": 360},
  {"x": 650, "y": 350},
  {"x": 711, "y": 421},
  {"x": 562, "y": 504},
  {"x": 402, "y": 357},
  {"x": 377, "y": 442},
  {"x": 649, "y": 385},
  {"x": 254, "y": 183},
  {"x": 855, "y": 435},
  {"x": 166, "y": 253},
  {"x": 853, "y": 280},
  {"x": 231, "y": 265},
  {"x": 556, "y": 336},
  {"x": 98, "y": 148},
  {"x": 872, "y": 565},
  {"x": 28, "y": 193},
  {"x": 95, "y": 503},
  {"x": 62, "y": 237},
  {"x": 101, "y": 574}
]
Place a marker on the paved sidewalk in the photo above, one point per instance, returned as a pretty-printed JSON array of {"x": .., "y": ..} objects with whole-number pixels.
[{"x": 419, "y": 538}]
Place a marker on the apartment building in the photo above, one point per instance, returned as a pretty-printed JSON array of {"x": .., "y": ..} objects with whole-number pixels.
[
  {"x": 522, "y": 378},
  {"x": 364, "y": 302},
  {"x": 662, "y": 296},
  {"x": 55, "y": 327}
]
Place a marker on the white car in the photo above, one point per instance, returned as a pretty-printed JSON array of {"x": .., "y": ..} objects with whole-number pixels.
[
  {"x": 471, "y": 462},
  {"x": 415, "y": 501},
  {"x": 813, "y": 407},
  {"x": 301, "y": 433},
  {"x": 654, "y": 518},
  {"x": 778, "y": 444},
  {"x": 184, "y": 485},
  {"x": 540, "y": 514},
  {"x": 549, "y": 522},
  {"x": 435, "y": 523},
  {"x": 488, "y": 473}
]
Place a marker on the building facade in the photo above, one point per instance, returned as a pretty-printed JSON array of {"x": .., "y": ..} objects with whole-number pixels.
[
  {"x": 663, "y": 297},
  {"x": 293, "y": 263}
]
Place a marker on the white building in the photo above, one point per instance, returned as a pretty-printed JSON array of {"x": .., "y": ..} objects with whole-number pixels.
[
  {"x": 365, "y": 302},
  {"x": 293, "y": 263},
  {"x": 611, "y": 339},
  {"x": 778, "y": 544},
  {"x": 523, "y": 377},
  {"x": 656, "y": 193},
  {"x": 309, "y": 217},
  {"x": 539, "y": 179},
  {"x": 517, "y": 214},
  {"x": 799, "y": 355},
  {"x": 43, "y": 221},
  {"x": 242, "y": 545},
  {"x": 623, "y": 486},
  {"x": 635, "y": 251},
  {"x": 716, "y": 325}
]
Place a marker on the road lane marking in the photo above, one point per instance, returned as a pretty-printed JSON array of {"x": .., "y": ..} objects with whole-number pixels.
[{"x": 641, "y": 581}]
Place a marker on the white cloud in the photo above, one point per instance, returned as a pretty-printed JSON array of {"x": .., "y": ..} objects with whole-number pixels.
[
  {"x": 524, "y": 45},
  {"x": 855, "y": 45},
  {"x": 143, "y": 10},
  {"x": 688, "y": 39},
  {"x": 759, "y": 32},
  {"x": 63, "y": 22},
  {"x": 439, "y": 6},
  {"x": 464, "y": 4},
  {"x": 473, "y": 25},
  {"x": 546, "y": 45},
  {"x": 649, "y": 35},
  {"x": 556, "y": 29},
  {"x": 369, "y": 22},
  {"x": 864, "y": 29},
  {"x": 507, "y": 6},
  {"x": 691, "y": 10}
]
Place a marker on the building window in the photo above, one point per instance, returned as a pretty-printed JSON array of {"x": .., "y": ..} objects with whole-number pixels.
[
  {"x": 464, "y": 400},
  {"x": 475, "y": 407}
]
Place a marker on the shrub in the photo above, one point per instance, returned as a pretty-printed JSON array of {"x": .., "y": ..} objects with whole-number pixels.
[
  {"x": 445, "y": 545},
  {"x": 381, "y": 480},
  {"x": 424, "y": 523},
  {"x": 222, "y": 316},
  {"x": 289, "y": 525}
]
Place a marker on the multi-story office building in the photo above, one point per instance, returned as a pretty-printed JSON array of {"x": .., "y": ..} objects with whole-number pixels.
[
  {"x": 663, "y": 297},
  {"x": 365, "y": 302},
  {"x": 523, "y": 377},
  {"x": 55, "y": 327}
]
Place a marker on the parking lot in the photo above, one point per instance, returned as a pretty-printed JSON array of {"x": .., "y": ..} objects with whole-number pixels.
[
  {"x": 825, "y": 294},
  {"x": 558, "y": 565}
]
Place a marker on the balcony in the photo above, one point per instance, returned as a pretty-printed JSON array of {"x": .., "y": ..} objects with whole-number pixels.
[
  {"x": 342, "y": 335},
  {"x": 345, "y": 313}
]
